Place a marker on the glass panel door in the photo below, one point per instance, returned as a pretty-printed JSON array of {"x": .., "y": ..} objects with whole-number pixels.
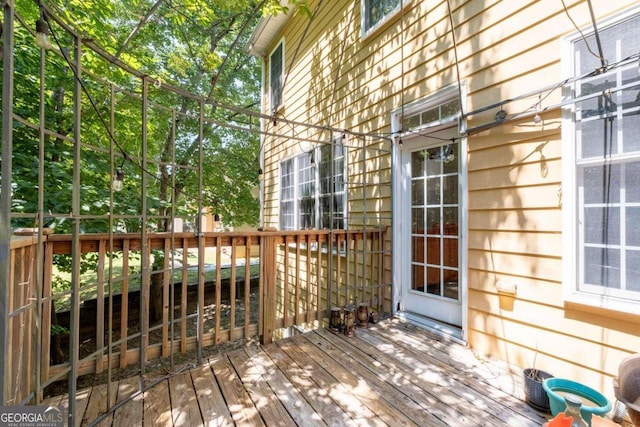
[{"x": 435, "y": 211}]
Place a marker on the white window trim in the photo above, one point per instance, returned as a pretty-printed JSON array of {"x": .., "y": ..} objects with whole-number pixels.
[
  {"x": 569, "y": 190},
  {"x": 273, "y": 109},
  {"x": 364, "y": 33}
]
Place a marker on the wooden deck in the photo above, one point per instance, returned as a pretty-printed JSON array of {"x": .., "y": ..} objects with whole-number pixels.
[{"x": 391, "y": 374}]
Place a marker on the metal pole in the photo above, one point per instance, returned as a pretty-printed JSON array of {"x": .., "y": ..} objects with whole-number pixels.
[
  {"x": 201, "y": 236},
  {"x": 5, "y": 194},
  {"x": 364, "y": 218},
  {"x": 330, "y": 243},
  {"x": 112, "y": 121},
  {"x": 76, "y": 251},
  {"x": 144, "y": 259},
  {"x": 40, "y": 225},
  {"x": 173, "y": 231}
]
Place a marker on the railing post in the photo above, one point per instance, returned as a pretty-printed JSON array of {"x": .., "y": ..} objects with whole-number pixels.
[{"x": 268, "y": 272}]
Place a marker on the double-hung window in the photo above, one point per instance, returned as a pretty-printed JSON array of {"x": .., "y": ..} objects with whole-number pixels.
[
  {"x": 313, "y": 189},
  {"x": 374, "y": 12},
  {"x": 604, "y": 170},
  {"x": 276, "y": 77}
]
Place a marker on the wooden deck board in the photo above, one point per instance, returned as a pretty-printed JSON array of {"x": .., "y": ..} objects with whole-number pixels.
[
  {"x": 131, "y": 413},
  {"x": 302, "y": 380},
  {"x": 389, "y": 374},
  {"x": 290, "y": 397},
  {"x": 356, "y": 385},
  {"x": 185, "y": 410},
  {"x": 157, "y": 405},
  {"x": 212, "y": 405},
  {"x": 240, "y": 404},
  {"x": 331, "y": 387},
  {"x": 267, "y": 403}
]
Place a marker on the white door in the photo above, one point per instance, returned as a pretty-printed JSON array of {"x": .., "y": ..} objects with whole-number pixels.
[{"x": 431, "y": 233}]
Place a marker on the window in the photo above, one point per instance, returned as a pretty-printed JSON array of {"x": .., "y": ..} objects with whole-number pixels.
[
  {"x": 313, "y": 189},
  {"x": 605, "y": 169},
  {"x": 375, "y": 11},
  {"x": 276, "y": 78}
]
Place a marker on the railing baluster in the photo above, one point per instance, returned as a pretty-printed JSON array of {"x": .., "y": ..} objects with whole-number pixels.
[
  {"x": 232, "y": 289},
  {"x": 46, "y": 311},
  {"x": 247, "y": 286},
  {"x": 218, "y": 287},
  {"x": 310, "y": 279},
  {"x": 296, "y": 313},
  {"x": 102, "y": 253},
  {"x": 184, "y": 295},
  {"x": 285, "y": 287},
  {"x": 318, "y": 276},
  {"x": 124, "y": 304},
  {"x": 166, "y": 344}
]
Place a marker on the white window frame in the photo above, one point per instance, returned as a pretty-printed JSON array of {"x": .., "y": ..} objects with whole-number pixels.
[
  {"x": 299, "y": 163},
  {"x": 364, "y": 8},
  {"x": 276, "y": 106},
  {"x": 574, "y": 291}
]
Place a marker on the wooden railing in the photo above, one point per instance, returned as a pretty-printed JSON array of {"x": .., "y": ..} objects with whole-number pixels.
[{"x": 202, "y": 291}]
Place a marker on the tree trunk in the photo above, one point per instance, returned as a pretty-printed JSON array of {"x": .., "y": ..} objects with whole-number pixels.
[
  {"x": 155, "y": 290},
  {"x": 55, "y": 350}
]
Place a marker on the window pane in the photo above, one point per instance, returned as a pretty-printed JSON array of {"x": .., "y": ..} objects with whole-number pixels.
[
  {"x": 633, "y": 270},
  {"x": 631, "y": 132},
  {"x": 632, "y": 182},
  {"x": 433, "y": 191},
  {"x": 417, "y": 163},
  {"x": 432, "y": 115},
  {"x": 602, "y": 226},
  {"x": 377, "y": 10},
  {"x": 286, "y": 216},
  {"x": 306, "y": 216},
  {"x": 601, "y": 184},
  {"x": 450, "y": 190},
  {"x": 450, "y": 218},
  {"x": 338, "y": 211},
  {"x": 286, "y": 180},
  {"x": 417, "y": 273},
  {"x": 417, "y": 220},
  {"x": 417, "y": 249},
  {"x": 275, "y": 84},
  {"x": 598, "y": 138},
  {"x": 450, "y": 158},
  {"x": 324, "y": 169},
  {"x": 450, "y": 108},
  {"x": 325, "y": 211},
  {"x": 417, "y": 191},
  {"x": 433, "y": 220},
  {"x": 602, "y": 267},
  {"x": 633, "y": 226}
]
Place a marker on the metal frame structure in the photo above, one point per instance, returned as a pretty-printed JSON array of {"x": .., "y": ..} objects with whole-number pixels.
[{"x": 77, "y": 216}]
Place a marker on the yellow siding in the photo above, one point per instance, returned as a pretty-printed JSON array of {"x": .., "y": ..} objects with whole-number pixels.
[{"x": 505, "y": 49}]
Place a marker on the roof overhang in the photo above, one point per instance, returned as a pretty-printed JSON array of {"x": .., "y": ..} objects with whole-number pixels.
[{"x": 267, "y": 29}]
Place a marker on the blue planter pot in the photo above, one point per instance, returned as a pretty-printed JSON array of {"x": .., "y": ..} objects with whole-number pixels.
[{"x": 556, "y": 388}]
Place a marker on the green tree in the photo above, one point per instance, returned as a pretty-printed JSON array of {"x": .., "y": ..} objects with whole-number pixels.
[{"x": 195, "y": 45}]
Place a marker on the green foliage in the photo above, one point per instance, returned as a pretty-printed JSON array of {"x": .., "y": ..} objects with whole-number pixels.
[{"x": 195, "y": 45}]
